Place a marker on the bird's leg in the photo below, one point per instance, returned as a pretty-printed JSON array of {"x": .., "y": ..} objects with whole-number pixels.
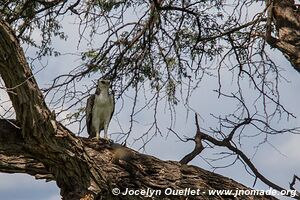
[
  {"x": 105, "y": 132},
  {"x": 97, "y": 131},
  {"x": 97, "y": 136},
  {"x": 109, "y": 141}
]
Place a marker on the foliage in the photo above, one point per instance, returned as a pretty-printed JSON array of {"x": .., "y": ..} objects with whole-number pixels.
[{"x": 168, "y": 47}]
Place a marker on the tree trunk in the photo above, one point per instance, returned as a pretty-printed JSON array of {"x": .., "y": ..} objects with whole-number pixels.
[
  {"x": 285, "y": 15},
  {"x": 36, "y": 144}
]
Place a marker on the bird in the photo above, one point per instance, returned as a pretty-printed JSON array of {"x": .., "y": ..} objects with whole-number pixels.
[{"x": 99, "y": 110}]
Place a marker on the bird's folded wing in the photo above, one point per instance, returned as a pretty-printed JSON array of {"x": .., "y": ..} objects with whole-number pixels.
[{"x": 88, "y": 111}]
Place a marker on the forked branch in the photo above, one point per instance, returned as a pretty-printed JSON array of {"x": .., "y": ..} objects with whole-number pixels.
[{"x": 198, "y": 145}]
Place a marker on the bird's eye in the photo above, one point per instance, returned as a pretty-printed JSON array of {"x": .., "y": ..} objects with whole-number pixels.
[{"x": 103, "y": 82}]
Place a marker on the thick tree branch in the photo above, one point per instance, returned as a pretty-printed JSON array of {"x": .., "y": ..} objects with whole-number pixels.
[
  {"x": 13, "y": 155},
  {"x": 24, "y": 93},
  {"x": 138, "y": 172},
  {"x": 286, "y": 18},
  {"x": 48, "y": 141}
]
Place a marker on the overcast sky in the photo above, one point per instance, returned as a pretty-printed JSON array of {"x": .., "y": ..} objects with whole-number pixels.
[{"x": 278, "y": 160}]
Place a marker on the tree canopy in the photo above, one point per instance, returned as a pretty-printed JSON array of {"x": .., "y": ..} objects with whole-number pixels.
[{"x": 160, "y": 56}]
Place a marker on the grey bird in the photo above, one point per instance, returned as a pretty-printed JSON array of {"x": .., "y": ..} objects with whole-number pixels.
[{"x": 99, "y": 110}]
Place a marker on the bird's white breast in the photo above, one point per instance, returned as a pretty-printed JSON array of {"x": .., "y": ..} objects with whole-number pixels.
[{"x": 102, "y": 109}]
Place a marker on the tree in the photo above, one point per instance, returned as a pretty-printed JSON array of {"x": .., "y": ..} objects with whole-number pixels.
[
  {"x": 286, "y": 20},
  {"x": 168, "y": 47}
]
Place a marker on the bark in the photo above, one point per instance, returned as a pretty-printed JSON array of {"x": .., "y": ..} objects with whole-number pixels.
[
  {"x": 13, "y": 155},
  {"x": 285, "y": 15},
  {"x": 140, "y": 172},
  {"x": 36, "y": 144}
]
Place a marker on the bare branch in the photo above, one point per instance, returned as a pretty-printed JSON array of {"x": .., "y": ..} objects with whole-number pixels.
[
  {"x": 198, "y": 145},
  {"x": 226, "y": 143},
  {"x": 292, "y": 184}
]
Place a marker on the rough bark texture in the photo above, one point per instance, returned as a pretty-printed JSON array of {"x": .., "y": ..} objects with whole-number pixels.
[
  {"x": 141, "y": 172},
  {"x": 286, "y": 18},
  {"x": 40, "y": 146}
]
